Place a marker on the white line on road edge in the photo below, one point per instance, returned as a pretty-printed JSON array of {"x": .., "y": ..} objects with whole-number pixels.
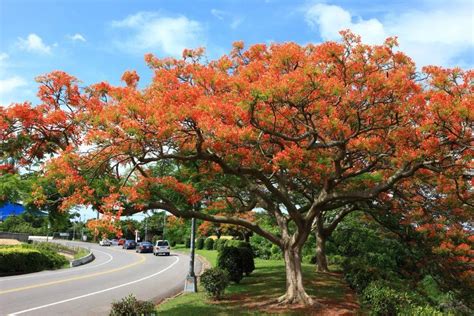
[
  {"x": 63, "y": 270},
  {"x": 94, "y": 293}
]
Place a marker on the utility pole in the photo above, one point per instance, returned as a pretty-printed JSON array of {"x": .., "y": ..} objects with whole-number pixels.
[
  {"x": 164, "y": 224},
  {"x": 190, "y": 284},
  {"x": 146, "y": 229},
  {"x": 47, "y": 232},
  {"x": 74, "y": 230}
]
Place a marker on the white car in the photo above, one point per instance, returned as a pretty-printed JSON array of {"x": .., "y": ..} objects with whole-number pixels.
[
  {"x": 162, "y": 247},
  {"x": 105, "y": 242}
]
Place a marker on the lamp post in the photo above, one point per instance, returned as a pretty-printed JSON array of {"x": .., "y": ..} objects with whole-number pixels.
[
  {"x": 146, "y": 229},
  {"x": 164, "y": 224},
  {"x": 47, "y": 232},
  {"x": 73, "y": 230},
  {"x": 190, "y": 284}
]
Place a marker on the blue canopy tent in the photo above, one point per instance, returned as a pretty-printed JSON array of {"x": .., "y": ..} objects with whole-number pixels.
[{"x": 8, "y": 209}]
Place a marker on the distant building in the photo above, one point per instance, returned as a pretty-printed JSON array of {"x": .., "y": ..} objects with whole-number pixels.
[{"x": 9, "y": 209}]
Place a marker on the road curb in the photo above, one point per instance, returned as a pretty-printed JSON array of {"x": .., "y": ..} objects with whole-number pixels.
[{"x": 86, "y": 259}]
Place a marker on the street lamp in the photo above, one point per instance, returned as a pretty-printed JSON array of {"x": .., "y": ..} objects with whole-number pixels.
[
  {"x": 47, "y": 232},
  {"x": 190, "y": 284}
]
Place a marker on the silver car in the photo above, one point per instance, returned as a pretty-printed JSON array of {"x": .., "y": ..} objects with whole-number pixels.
[
  {"x": 105, "y": 242},
  {"x": 162, "y": 247}
]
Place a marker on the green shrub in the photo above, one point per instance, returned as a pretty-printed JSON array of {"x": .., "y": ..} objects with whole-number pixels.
[
  {"x": 173, "y": 243},
  {"x": 220, "y": 243},
  {"x": 200, "y": 243},
  {"x": 26, "y": 259},
  {"x": 358, "y": 274},
  {"x": 261, "y": 247},
  {"x": 215, "y": 281},
  {"x": 187, "y": 242},
  {"x": 247, "y": 261},
  {"x": 229, "y": 259},
  {"x": 422, "y": 311},
  {"x": 385, "y": 300},
  {"x": 209, "y": 244},
  {"x": 237, "y": 243},
  {"x": 275, "y": 253},
  {"x": 131, "y": 306}
]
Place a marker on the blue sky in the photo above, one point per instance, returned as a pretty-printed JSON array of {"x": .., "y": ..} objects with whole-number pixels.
[{"x": 97, "y": 40}]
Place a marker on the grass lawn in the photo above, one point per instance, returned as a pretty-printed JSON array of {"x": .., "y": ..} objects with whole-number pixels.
[{"x": 256, "y": 293}]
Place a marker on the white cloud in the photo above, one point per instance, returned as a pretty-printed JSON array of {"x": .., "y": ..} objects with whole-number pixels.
[
  {"x": 235, "y": 21},
  {"x": 151, "y": 31},
  {"x": 8, "y": 89},
  {"x": 13, "y": 88},
  {"x": 438, "y": 35},
  {"x": 330, "y": 19},
  {"x": 218, "y": 13},
  {"x": 77, "y": 37},
  {"x": 33, "y": 43}
]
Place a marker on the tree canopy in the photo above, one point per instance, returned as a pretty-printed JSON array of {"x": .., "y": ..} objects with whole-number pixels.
[{"x": 300, "y": 132}]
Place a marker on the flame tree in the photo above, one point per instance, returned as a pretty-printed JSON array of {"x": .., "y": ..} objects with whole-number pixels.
[{"x": 304, "y": 133}]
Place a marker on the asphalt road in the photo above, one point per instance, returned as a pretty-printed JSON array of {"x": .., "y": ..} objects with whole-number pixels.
[{"x": 90, "y": 289}]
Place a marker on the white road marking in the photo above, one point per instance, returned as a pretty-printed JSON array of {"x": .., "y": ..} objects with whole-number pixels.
[
  {"x": 94, "y": 293},
  {"x": 61, "y": 271}
]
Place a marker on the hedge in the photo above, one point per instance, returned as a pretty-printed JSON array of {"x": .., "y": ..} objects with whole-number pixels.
[
  {"x": 209, "y": 244},
  {"x": 16, "y": 260}
]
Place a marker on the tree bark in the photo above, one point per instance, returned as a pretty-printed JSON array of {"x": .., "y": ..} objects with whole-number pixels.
[
  {"x": 321, "y": 259},
  {"x": 295, "y": 292}
]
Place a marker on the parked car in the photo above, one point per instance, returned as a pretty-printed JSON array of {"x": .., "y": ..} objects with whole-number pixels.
[
  {"x": 121, "y": 241},
  {"x": 114, "y": 242},
  {"x": 129, "y": 244},
  {"x": 162, "y": 247},
  {"x": 144, "y": 246},
  {"x": 105, "y": 242}
]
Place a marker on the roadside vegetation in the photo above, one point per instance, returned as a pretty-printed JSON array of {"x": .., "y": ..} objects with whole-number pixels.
[
  {"x": 27, "y": 258},
  {"x": 256, "y": 293},
  {"x": 372, "y": 271}
]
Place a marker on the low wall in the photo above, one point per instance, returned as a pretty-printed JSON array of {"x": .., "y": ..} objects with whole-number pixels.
[
  {"x": 86, "y": 259},
  {"x": 18, "y": 236}
]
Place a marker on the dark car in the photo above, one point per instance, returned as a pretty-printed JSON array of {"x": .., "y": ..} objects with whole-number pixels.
[
  {"x": 144, "y": 247},
  {"x": 129, "y": 244},
  {"x": 121, "y": 241}
]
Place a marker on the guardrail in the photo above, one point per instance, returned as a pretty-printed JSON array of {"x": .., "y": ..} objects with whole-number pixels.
[{"x": 86, "y": 259}]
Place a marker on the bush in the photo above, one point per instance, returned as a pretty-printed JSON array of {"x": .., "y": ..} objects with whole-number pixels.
[
  {"x": 237, "y": 243},
  {"x": 358, "y": 274},
  {"x": 220, "y": 243},
  {"x": 215, "y": 281},
  {"x": 422, "y": 311},
  {"x": 246, "y": 258},
  {"x": 200, "y": 243},
  {"x": 131, "y": 306},
  {"x": 26, "y": 259},
  {"x": 173, "y": 243},
  {"x": 229, "y": 259},
  {"x": 311, "y": 259},
  {"x": 209, "y": 244},
  {"x": 384, "y": 300},
  {"x": 261, "y": 247},
  {"x": 187, "y": 242}
]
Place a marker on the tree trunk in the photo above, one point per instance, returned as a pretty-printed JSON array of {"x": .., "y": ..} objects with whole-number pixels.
[
  {"x": 321, "y": 259},
  {"x": 295, "y": 292}
]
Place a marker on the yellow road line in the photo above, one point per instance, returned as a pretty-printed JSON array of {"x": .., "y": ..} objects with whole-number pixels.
[{"x": 142, "y": 259}]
